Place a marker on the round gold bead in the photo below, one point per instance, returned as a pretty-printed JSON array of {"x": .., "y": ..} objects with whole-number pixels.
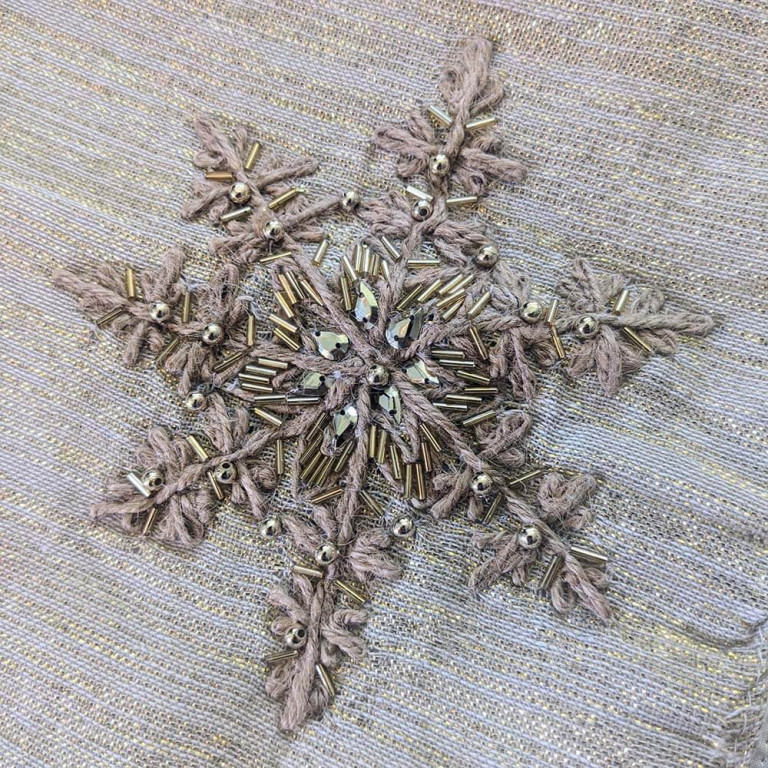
[
  {"x": 587, "y": 327},
  {"x": 295, "y": 637},
  {"x": 195, "y": 401},
  {"x": 481, "y": 484},
  {"x": 529, "y": 537},
  {"x": 377, "y": 376},
  {"x": 239, "y": 193},
  {"x": 212, "y": 334},
  {"x": 531, "y": 312},
  {"x": 225, "y": 473},
  {"x": 273, "y": 230},
  {"x": 270, "y": 527},
  {"x": 350, "y": 200},
  {"x": 439, "y": 165},
  {"x": 421, "y": 210},
  {"x": 326, "y": 553},
  {"x": 153, "y": 480},
  {"x": 403, "y": 527},
  {"x": 159, "y": 311},
  {"x": 487, "y": 256}
]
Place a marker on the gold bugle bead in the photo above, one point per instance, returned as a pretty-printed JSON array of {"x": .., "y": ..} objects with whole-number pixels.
[
  {"x": 197, "y": 447},
  {"x": 426, "y": 456},
  {"x": 250, "y": 331},
  {"x": 482, "y": 391},
  {"x": 375, "y": 264},
  {"x": 481, "y": 122},
  {"x": 460, "y": 397},
  {"x": 349, "y": 268},
  {"x": 186, "y": 307},
  {"x": 130, "y": 283},
  {"x": 135, "y": 481},
  {"x": 168, "y": 350},
  {"x": 629, "y": 333},
  {"x": 452, "y": 309},
  {"x": 419, "y": 194},
  {"x": 268, "y": 362},
  {"x": 390, "y": 248},
  {"x": 327, "y": 495},
  {"x": 219, "y": 176},
  {"x": 250, "y": 386},
  {"x": 322, "y": 250},
  {"x": 422, "y": 263},
  {"x": 371, "y": 503},
  {"x": 284, "y": 324},
  {"x": 372, "y": 441},
  {"x": 408, "y": 481},
  {"x": 310, "y": 449},
  {"x": 270, "y": 418},
  {"x": 381, "y": 447},
  {"x": 295, "y": 287},
  {"x": 322, "y": 471},
  {"x": 440, "y": 116},
  {"x": 270, "y": 258},
  {"x": 396, "y": 462},
  {"x": 449, "y": 363},
  {"x": 621, "y": 302},
  {"x": 289, "y": 342},
  {"x": 459, "y": 407},
  {"x": 309, "y": 289},
  {"x": 238, "y": 213},
  {"x": 252, "y": 156},
  {"x": 430, "y": 437},
  {"x": 274, "y": 397},
  {"x": 253, "y": 378},
  {"x": 285, "y": 305},
  {"x": 482, "y": 350},
  {"x": 365, "y": 261},
  {"x": 149, "y": 522},
  {"x": 450, "y": 286},
  {"x": 346, "y": 294},
  {"x": 408, "y": 299},
  {"x": 492, "y": 508},
  {"x": 384, "y": 266},
  {"x": 109, "y": 317},
  {"x": 320, "y": 422},
  {"x": 421, "y": 482},
  {"x": 259, "y": 370},
  {"x": 281, "y": 200},
  {"x": 228, "y": 361},
  {"x": 531, "y": 475},
  {"x": 429, "y": 291},
  {"x": 311, "y": 573},
  {"x": 288, "y": 292},
  {"x": 460, "y": 202},
  {"x": 341, "y": 462},
  {"x": 312, "y": 465},
  {"x": 302, "y": 399},
  {"x": 447, "y": 353},
  {"x": 358, "y": 257},
  {"x": 477, "y": 378},
  {"x": 552, "y": 571},
  {"x": 464, "y": 281},
  {"x": 450, "y": 298},
  {"x": 479, "y": 305},
  {"x": 557, "y": 341},
  {"x": 552, "y": 311},
  {"x": 215, "y": 485},
  {"x": 355, "y": 594},
  {"x": 276, "y": 658},
  {"x": 325, "y": 680},
  {"x": 589, "y": 556},
  {"x": 479, "y": 418}
]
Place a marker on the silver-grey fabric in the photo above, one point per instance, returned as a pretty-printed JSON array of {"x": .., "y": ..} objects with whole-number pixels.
[{"x": 644, "y": 127}]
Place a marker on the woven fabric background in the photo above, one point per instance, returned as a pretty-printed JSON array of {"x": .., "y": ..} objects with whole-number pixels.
[{"x": 644, "y": 125}]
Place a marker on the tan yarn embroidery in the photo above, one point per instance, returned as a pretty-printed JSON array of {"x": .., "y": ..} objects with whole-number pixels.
[{"x": 407, "y": 360}]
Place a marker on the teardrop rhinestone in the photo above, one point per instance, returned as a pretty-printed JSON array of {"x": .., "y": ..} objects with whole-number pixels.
[
  {"x": 343, "y": 424},
  {"x": 313, "y": 383},
  {"x": 389, "y": 402},
  {"x": 366, "y": 309},
  {"x": 402, "y": 333},
  {"x": 332, "y": 345},
  {"x": 418, "y": 373}
]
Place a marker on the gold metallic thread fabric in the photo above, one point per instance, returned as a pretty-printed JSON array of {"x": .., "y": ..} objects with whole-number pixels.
[{"x": 644, "y": 128}]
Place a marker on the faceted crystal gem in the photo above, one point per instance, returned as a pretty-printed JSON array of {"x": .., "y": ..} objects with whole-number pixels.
[
  {"x": 389, "y": 401},
  {"x": 418, "y": 373},
  {"x": 366, "y": 309},
  {"x": 401, "y": 333},
  {"x": 313, "y": 383},
  {"x": 332, "y": 345},
  {"x": 343, "y": 424}
]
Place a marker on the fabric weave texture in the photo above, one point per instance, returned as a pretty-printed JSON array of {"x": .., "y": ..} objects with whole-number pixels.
[{"x": 643, "y": 128}]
